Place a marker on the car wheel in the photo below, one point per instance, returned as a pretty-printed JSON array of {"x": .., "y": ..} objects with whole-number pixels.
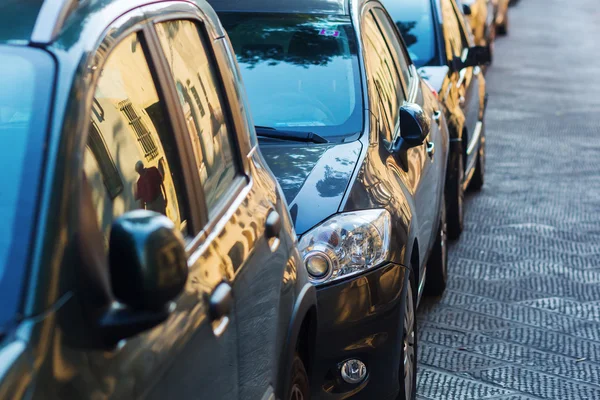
[
  {"x": 479, "y": 174},
  {"x": 456, "y": 199},
  {"x": 300, "y": 390},
  {"x": 408, "y": 372},
  {"x": 437, "y": 265},
  {"x": 502, "y": 29}
]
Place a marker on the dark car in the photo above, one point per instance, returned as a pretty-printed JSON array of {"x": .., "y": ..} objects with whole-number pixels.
[
  {"x": 439, "y": 43},
  {"x": 501, "y": 15},
  {"x": 359, "y": 144},
  {"x": 146, "y": 248}
]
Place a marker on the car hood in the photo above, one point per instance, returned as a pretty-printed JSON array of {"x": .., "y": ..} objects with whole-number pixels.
[
  {"x": 434, "y": 75},
  {"x": 313, "y": 177}
]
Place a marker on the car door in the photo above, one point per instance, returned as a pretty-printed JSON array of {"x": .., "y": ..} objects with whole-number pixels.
[
  {"x": 134, "y": 159},
  {"x": 243, "y": 222},
  {"x": 467, "y": 83},
  {"x": 427, "y": 183}
]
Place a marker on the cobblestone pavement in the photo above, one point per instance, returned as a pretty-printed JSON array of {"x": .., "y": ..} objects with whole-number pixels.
[{"x": 521, "y": 317}]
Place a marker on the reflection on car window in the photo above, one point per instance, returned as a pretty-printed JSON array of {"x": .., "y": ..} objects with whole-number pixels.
[
  {"x": 383, "y": 75},
  {"x": 300, "y": 71},
  {"x": 415, "y": 20},
  {"x": 197, "y": 85},
  {"x": 395, "y": 46},
  {"x": 452, "y": 33},
  {"x": 131, "y": 161}
]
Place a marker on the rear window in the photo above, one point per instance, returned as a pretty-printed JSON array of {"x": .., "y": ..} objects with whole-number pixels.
[
  {"x": 300, "y": 71},
  {"x": 415, "y": 20},
  {"x": 25, "y": 87}
]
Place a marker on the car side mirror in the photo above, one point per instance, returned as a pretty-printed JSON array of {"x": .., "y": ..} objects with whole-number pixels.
[
  {"x": 148, "y": 263},
  {"x": 414, "y": 127},
  {"x": 477, "y": 56},
  {"x": 467, "y": 9},
  {"x": 148, "y": 270}
]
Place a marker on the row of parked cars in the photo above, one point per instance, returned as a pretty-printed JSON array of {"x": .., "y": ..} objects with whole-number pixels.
[{"x": 245, "y": 199}]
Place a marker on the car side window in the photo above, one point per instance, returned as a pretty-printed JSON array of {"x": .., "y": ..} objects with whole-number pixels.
[
  {"x": 383, "y": 75},
  {"x": 199, "y": 89},
  {"x": 452, "y": 33},
  {"x": 131, "y": 160},
  {"x": 464, "y": 33},
  {"x": 397, "y": 46}
]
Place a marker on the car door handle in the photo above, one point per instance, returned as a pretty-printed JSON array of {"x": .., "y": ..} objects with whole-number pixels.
[
  {"x": 430, "y": 149},
  {"x": 273, "y": 225},
  {"x": 221, "y": 301}
]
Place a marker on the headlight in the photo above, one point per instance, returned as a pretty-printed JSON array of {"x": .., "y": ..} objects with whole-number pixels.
[{"x": 346, "y": 244}]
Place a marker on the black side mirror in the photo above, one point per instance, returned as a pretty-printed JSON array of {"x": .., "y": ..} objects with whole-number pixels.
[
  {"x": 414, "y": 127},
  {"x": 466, "y": 9},
  {"x": 148, "y": 270},
  {"x": 476, "y": 56}
]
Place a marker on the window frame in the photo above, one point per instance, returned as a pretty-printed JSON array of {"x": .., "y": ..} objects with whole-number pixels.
[{"x": 239, "y": 143}]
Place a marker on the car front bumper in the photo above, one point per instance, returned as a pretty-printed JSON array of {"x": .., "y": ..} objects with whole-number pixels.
[{"x": 360, "y": 318}]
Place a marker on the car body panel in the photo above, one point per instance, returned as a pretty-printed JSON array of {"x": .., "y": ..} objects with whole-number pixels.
[
  {"x": 360, "y": 320},
  {"x": 314, "y": 178}
]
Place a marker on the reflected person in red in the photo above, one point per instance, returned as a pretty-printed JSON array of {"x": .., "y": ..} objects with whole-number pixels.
[{"x": 150, "y": 189}]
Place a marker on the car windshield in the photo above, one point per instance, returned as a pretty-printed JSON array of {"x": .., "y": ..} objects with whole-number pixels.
[
  {"x": 300, "y": 71},
  {"x": 415, "y": 20},
  {"x": 25, "y": 87}
]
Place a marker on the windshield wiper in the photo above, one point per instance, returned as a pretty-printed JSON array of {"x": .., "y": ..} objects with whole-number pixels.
[{"x": 295, "y": 136}]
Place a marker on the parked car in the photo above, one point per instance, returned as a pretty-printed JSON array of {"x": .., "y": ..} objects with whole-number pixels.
[
  {"x": 480, "y": 16},
  {"x": 438, "y": 42},
  {"x": 146, "y": 249},
  {"x": 359, "y": 144},
  {"x": 501, "y": 15}
]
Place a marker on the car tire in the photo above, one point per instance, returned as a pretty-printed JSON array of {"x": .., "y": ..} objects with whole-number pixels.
[
  {"x": 299, "y": 389},
  {"x": 456, "y": 198},
  {"x": 408, "y": 356},
  {"x": 502, "y": 29},
  {"x": 479, "y": 174},
  {"x": 437, "y": 265}
]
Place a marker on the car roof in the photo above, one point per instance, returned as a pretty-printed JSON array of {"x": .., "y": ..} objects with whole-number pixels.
[
  {"x": 336, "y": 7},
  {"x": 41, "y": 21}
]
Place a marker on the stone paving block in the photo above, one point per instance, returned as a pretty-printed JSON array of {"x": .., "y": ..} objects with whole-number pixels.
[
  {"x": 452, "y": 338},
  {"x": 527, "y": 315},
  {"x": 500, "y": 291},
  {"x": 560, "y": 287},
  {"x": 549, "y": 363},
  {"x": 437, "y": 385},
  {"x": 589, "y": 311},
  {"x": 464, "y": 319},
  {"x": 485, "y": 271},
  {"x": 452, "y": 360},
  {"x": 549, "y": 341},
  {"x": 537, "y": 383},
  {"x": 540, "y": 267}
]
